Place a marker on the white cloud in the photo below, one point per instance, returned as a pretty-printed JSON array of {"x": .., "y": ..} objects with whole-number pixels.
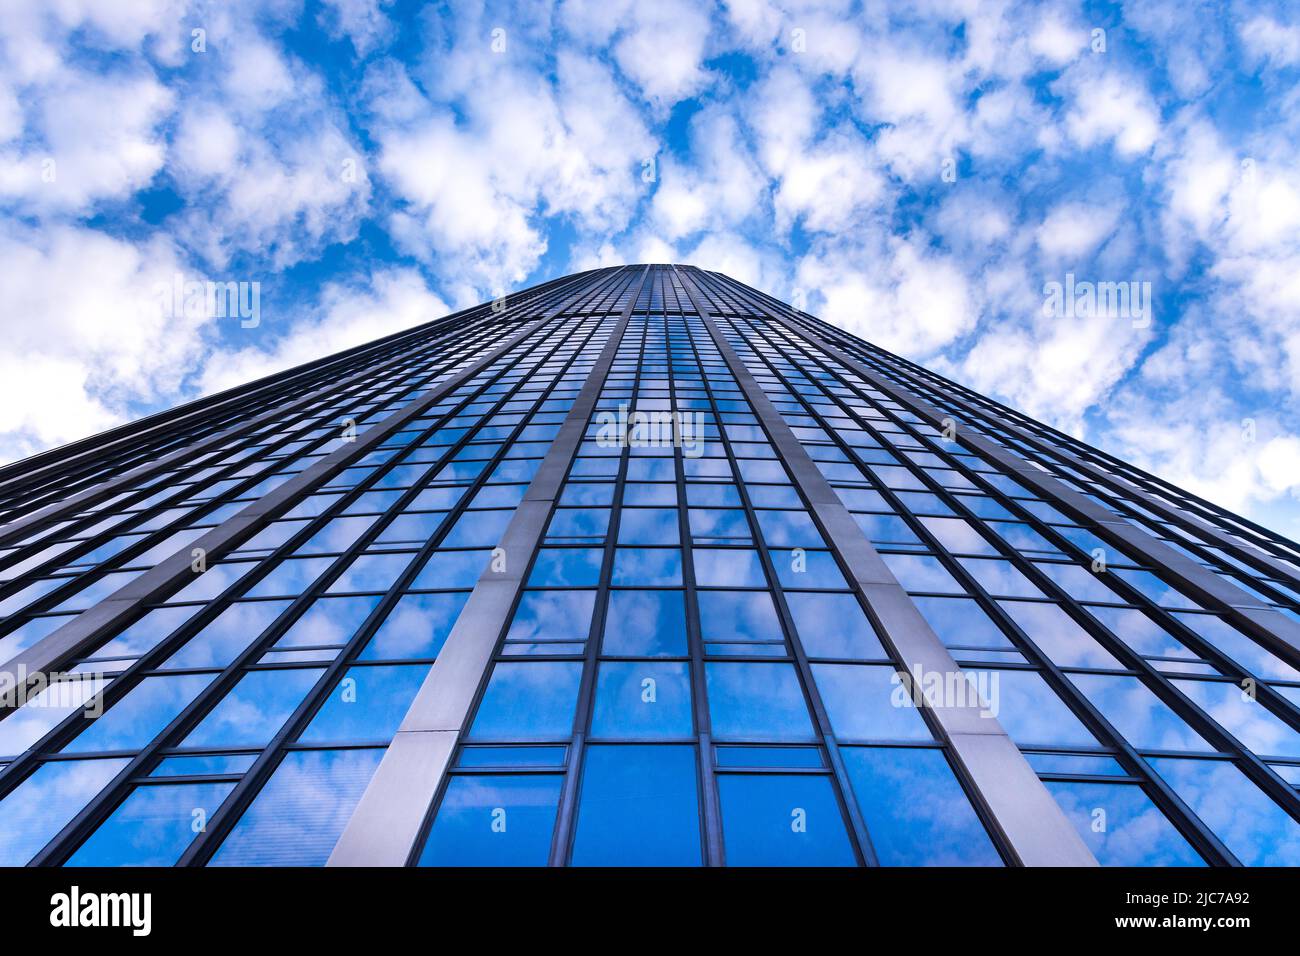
[
  {"x": 351, "y": 314},
  {"x": 1073, "y": 229},
  {"x": 1108, "y": 107},
  {"x": 100, "y": 340}
]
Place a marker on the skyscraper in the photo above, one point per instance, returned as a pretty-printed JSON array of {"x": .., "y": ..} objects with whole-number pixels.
[{"x": 638, "y": 566}]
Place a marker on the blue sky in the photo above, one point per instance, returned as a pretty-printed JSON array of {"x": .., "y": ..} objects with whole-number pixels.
[{"x": 919, "y": 173}]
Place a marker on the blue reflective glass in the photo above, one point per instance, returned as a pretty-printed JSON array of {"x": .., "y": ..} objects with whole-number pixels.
[
  {"x": 566, "y": 567},
  {"x": 329, "y": 620},
  {"x": 833, "y": 625},
  {"x": 738, "y": 616},
  {"x": 999, "y": 578},
  {"x": 254, "y": 709},
  {"x": 511, "y": 757},
  {"x": 915, "y": 810},
  {"x": 1029, "y": 710},
  {"x": 756, "y": 701},
  {"x": 648, "y": 526},
  {"x": 367, "y": 704},
  {"x": 43, "y": 804},
  {"x": 712, "y": 495},
  {"x": 808, "y": 757},
  {"x": 451, "y": 569},
  {"x": 417, "y": 626},
  {"x": 494, "y": 821},
  {"x": 645, "y": 624},
  {"x": 728, "y": 568},
  {"x": 779, "y": 820},
  {"x": 579, "y": 523},
  {"x": 922, "y": 573},
  {"x": 1065, "y": 642},
  {"x": 809, "y": 570},
  {"x": 140, "y": 636},
  {"x": 315, "y": 789},
  {"x": 789, "y": 529},
  {"x": 1140, "y": 632},
  {"x": 221, "y": 641},
  {"x": 528, "y": 701},
  {"x": 1146, "y": 721},
  {"x": 868, "y": 702},
  {"x": 552, "y": 616},
  {"x": 888, "y": 530},
  {"x": 371, "y": 572},
  {"x": 153, "y": 826},
  {"x": 647, "y": 567},
  {"x": 1241, "y": 715},
  {"x": 138, "y": 717},
  {"x": 478, "y": 529},
  {"x": 959, "y": 622},
  {"x": 287, "y": 579},
  {"x": 642, "y": 700},
  {"x": 639, "y": 807},
  {"x": 1253, "y": 827},
  {"x": 728, "y": 525},
  {"x": 649, "y": 494},
  {"x": 1238, "y": 646},
  {"x": 1121, "y": 825},
  {"x": 203, "y": 764}
]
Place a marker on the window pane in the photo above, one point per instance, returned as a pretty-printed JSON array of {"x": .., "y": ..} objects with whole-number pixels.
[
  {"x": 645, "y": 624},
  {"x": 866, "y": 702},
  {"x": 916, "y": 812},
  {"x": 417, "y": 626},
  {"x": 367, "y": 705},
  {"x": 779, "y": 820},
  {"x": 639, "y": 807},
  {"x": 494, "y": 821},
  {"x": 153, "y": 826},
  {"x": 1251, "y": 825},
  {"x": 1122, "y": 826},
  {"x": 833, "y": 625},
  {"x": 529, "y": 701},
  {"x": 251, "y": 713},
  {"x": 642, "y": 700},
  {"x": 302, "y": 810},
  {"x": 138, "y": 717},
  {"x": 756, "y": 702},
  {"x": 44, "y": 803}
]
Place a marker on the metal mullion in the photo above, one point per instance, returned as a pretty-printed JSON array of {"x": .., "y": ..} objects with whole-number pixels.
[
  {"x": 123, "y": 605},
  {"x": 1029, "y": 822},
  {"x": 566, "y": 813},
  {"x": 392, "y": 815},
  {"x": 710, "y": 800},
  {"x": 863, "y": 850},
  {"x": 224, "y": 817}
]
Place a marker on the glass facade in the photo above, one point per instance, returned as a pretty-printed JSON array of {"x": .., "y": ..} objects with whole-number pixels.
[{"x": 638, "y": 567}]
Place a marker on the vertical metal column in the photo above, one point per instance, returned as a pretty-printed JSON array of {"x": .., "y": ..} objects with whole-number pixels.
[
  {"x": 385, "y": 826},
  {"x": 1029, "y": 822}
]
